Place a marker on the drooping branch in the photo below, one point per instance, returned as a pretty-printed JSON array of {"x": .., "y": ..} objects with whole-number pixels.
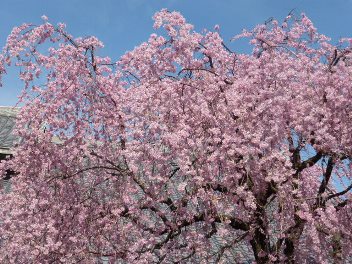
[{"x": 349, "y": 188}]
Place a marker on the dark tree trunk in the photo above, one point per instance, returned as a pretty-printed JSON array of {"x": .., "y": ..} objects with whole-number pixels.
[
  {"x": 293, "y": 236},
  {"x": 259, "y": 248},
  {"x": 260, "y": 242}
]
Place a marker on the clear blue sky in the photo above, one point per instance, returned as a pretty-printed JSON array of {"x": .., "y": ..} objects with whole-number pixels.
[{"x": 124, "y": 24}]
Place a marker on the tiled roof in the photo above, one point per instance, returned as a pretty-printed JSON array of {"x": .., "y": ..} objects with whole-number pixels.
[{"x": 7, "y": 123}]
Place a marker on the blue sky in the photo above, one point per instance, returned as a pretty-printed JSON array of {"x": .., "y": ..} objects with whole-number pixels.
[{"x": 124, "y": 24}]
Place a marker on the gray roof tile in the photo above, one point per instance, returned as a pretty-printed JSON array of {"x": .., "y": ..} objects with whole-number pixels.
[{"x": 7, "y": 123}]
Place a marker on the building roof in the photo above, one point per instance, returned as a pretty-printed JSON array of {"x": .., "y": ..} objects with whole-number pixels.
[{"x": 7, "y": 123}]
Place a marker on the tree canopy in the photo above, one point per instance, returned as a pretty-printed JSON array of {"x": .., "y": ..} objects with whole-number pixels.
[{"x": 183, "y": 150}]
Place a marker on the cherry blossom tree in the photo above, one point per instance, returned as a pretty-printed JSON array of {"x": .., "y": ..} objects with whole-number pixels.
[{"x": 182, "y": 151}]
